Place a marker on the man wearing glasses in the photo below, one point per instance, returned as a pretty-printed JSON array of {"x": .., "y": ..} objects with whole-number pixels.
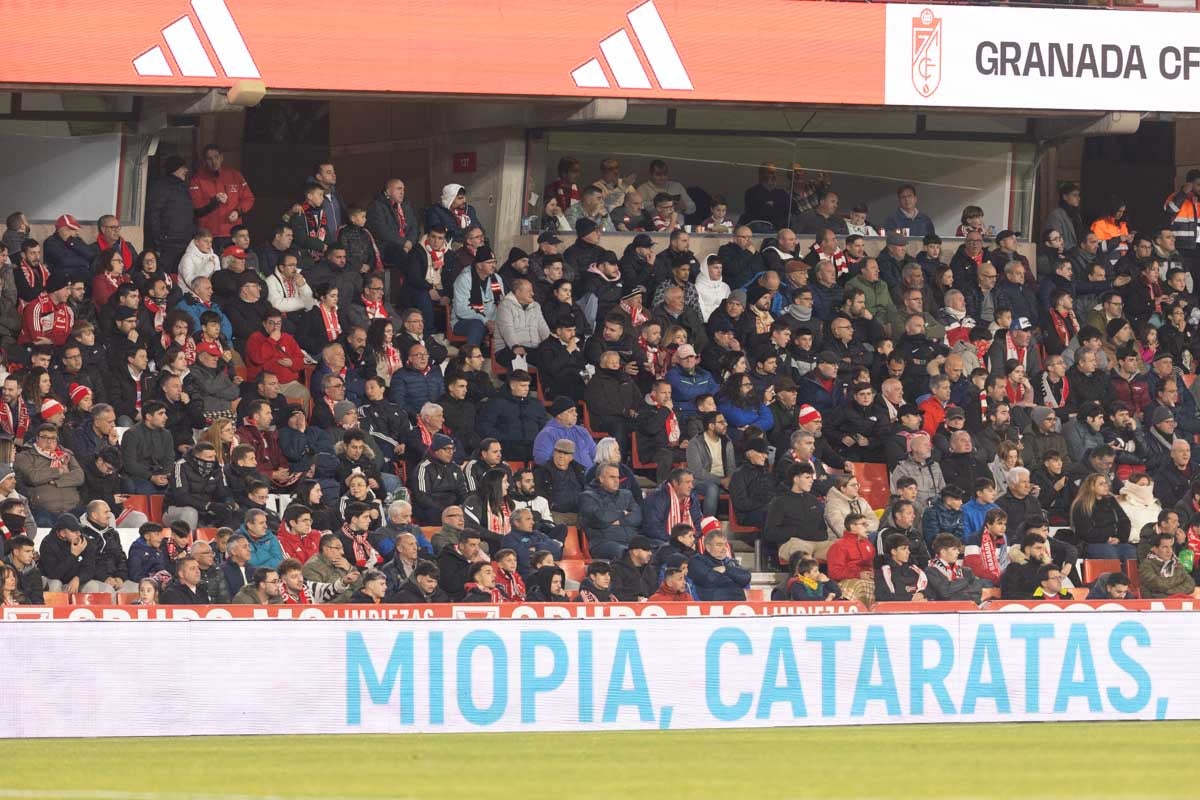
[
  {"x": 371, "y": 305},
  {"x": 51, "y": 474},
  {"x": 263, "y": 590},
  {"x": 109, "y": 238}
]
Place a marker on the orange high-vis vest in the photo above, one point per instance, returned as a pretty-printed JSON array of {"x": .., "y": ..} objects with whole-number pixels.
[{"x": 1185, "y": 222}]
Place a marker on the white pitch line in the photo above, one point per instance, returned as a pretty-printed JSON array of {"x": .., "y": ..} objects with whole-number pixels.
[{"x": 101, "y": 794}]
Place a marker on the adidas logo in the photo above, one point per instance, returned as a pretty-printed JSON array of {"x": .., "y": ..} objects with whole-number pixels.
[
  {"x": 188, "y": 51},
  {"x": 623, "y": 62}
]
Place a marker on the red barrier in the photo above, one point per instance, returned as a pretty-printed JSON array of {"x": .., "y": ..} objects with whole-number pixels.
[{"x": 427, "y": 612}]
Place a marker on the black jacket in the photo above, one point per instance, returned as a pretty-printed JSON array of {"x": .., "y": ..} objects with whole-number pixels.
[
  {"x": 454, "y": 572},
  {"x": 630, "y": 582},
  {"x": 178, "y": 594},
  {"x": 411, "y": 593},
  {"x": 559, "y": 370},
  {"x": 57, "y": 564},
  {"x": 434, "y": 486},
  {"x": 512, "y": 420},
  {"x": 795, "y": 515},
  {"x": 109, "y": 560},
  {"x": 169, "y": 213},
  {"x": 194, "y": 487},
  {"x": 610, "y": 393},
  {"x": 122, "y": 392},
  {"x": 751, "y": 488}
]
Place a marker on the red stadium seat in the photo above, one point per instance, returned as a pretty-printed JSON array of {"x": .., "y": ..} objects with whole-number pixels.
[
  {"x": 205, "y": 534},
  {"x": 638, "y": 464},
  {"x": 149, "y": 504},
  {"x": 575, "y": 570},
  {"x": 1080, "y": 592},
  {"x": 587, "y": 423},
  {"x": 56, "y": 599},
  {"x": 1095, "y": 567},
  {"x": 572, "y": 549},
  {"x": 735, "y": 527},
  {"x": 91, "y": 599},
  {"x": 1135, "y": 580},
  {"x": 873, "y": 483},
  {"x": 516, "y": 466},
  {"x": 126, "y": 598}
]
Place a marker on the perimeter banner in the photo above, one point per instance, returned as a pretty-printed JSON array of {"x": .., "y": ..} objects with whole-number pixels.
[{"x": 605, "y": 674}]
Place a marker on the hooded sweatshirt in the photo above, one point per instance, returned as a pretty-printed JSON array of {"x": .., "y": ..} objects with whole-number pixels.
[{"x": 711, "y": 293}]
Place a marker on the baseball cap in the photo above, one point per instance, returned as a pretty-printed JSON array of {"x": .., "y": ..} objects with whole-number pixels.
[
  {"x": 643, "y": 240},
  {"x": 212, "y": 348},
  {"x": 66, "y": 221},
  {"x": 548, "y": 237},
  {"x": 235, "y": 251},
  {"x": 440, "y": 441},
  {"x": 827, "y": 357},
  {"x": 484, "y": 254},
  {"x": 896, "y": 238},
  {"x": 684, "y": 351},
  {"x": 954, "y": 412},
  {"x": 1020, "y": 324}
]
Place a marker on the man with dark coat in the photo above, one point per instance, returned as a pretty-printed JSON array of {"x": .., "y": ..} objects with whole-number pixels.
[
  {"x": 513, "y": 416},
  {"x": 185, "y": 589},
  {"x": 634, "y": 579},
  {"x": 170, "y": 218}
]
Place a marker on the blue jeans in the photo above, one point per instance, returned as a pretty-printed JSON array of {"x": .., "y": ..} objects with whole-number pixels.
[
  {"x": 609, "y": 551},
  {"x": 141, "y": 486},
  {"x": 473, "y": 329},
  {"x": 710, "y": 492},
  {"x": 390, "y": 483},
  {"x": 1123, "y": 551}
]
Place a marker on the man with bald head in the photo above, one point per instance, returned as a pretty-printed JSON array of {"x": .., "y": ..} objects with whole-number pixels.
[
  {"x": 211, "y": 577},
  {"x": 775, "y": 257},
  {"x": 109, "y": 568},
  {"x": 738, "y": 257}
]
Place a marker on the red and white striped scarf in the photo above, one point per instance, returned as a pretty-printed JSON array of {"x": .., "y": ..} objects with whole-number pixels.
[
  {"x": 19, "y": 427},
  {"x": 680, "y": 511},
  {"x": 32, "y": 278},
  {"x": 59, "y": 458},
  {"x": 510, "y": 584},
  {"x": 401, "y": 221},
  {"x": 672, "y": 423},
  {"x": 1011, "y": 350},
  {"x": 499, "y": 523},
  {"x": 315, "y": 224},
  {"x": 1065, "y": 327},
  {"x": 301, "y": 598},
  {"x": 637, "y": 314},
  {"x": 333, "y": 326},
  {"x": 374, "y": 308},
  {"x": 1048, "y": 394},
  {"x": 159, "y": 312},
  {"x": 364, "y": 553},
  {"x": 838, "y": 257},
  {"x": 952, "y": 571},
  {"x": 392, "y": 355},
  {"x": 188, "y": 346}
]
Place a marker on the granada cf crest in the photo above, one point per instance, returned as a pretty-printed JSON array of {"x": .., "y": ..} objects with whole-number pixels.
[{"x": 926, "y": 53}]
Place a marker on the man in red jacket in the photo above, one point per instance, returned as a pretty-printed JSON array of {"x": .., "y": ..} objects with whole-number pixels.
[
  {"x": 296, "y": 535},
  {"x": 277, "y": 352},
  {"x": 220, "y": 196},
  {"x": 851, "y": 561},
  {"x": 48, "y": 319},
  {"x": 258, "y": 432}
]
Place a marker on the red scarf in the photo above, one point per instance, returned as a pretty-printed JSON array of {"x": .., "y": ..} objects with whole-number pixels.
[
  {"x": 426, "y": 434},
  {"x": 989, "y": 553},
  {"x": 510, "y": 584},
  {"x": 289, "y": 288},
  {"x": 1048, "y": 395},
  {"x": 187, "y": 346},
  {"x": 315, "y": 225},
  {"x": 672, "y": 423},
  {"x": 1015, "y": 393},
  {"x": 952, "y": 571},
  {"x": 436, "y": 257},
  {"x": 393, "y": 358},
  {"x": 364, "y": 553},
  {"x": 32, "y": 278},
  {"x": 159, "y": 312},
  {"x": 1065, "y": 327},
  {"x": 374, "y": 308},
  {"x": 59, "y": 458},
  {"x": 981, "y": 351},
  {"x": 1011, "y": 350},
  {"x": 499, "y": 523},
  {"x": 680, "y": 512},
  {"x": 637, "y": 314},
  {"x": 333, "y": 326},
  {"x": 838, "y": 257},
  {"x": 20, "y": 427},
  {"x": 496, "y": 594},
  {"x": 401, "y": 221},
  {"x": 120, "y": 244},
  {"x": 304, "y": 598},
  {"x": 460, "y": 216}
]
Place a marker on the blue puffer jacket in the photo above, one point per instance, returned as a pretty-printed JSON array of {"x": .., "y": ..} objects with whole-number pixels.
[
  {"x": 686, "y": 388},
  {"x": 657, "y": 507},
  {"x": 510, "y": 419},
  {"x": 195, "y": 308},
  {"x": 145, "y": 560},
  {"x": 265, "y": 551},
  {"x": 940, "y": 519},
  {"x": 410, "y": 389},
  {"x": 739, "y": 417}
]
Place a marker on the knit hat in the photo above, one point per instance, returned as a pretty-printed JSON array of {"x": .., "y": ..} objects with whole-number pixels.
[
  {"x": 708, "y": 525},
  {"x": 585, "y": 226},
  {"x": 1161, "y": 415},
  {"x": 807, "y": 414},
  {"x": 57, "y": 281},
  {"x": 440, "y": 442},
  {"x": 561, "y": 404},
  {"x": 342, "y": 408},
  {"x": 484, "y": 254},
  {"x": 50, "y": 407},
  {"x": 756, "y": 293},
  {"x": 641, "y": 543},
  {"x": 758, "y": 445},
  {"x": 66, "y": 522},
  {"x": 78, "y": 392},
  {"x": 1040, "y": 414},
  {"x": 172, "y": 164},
  {"x": 1114, "y": 326},
  {"x": 634, "y": 292},
  {"x": 738, "y": 296}
]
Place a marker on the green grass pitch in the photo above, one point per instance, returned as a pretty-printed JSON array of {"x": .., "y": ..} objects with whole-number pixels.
[{"x": 1081, "y": 760}]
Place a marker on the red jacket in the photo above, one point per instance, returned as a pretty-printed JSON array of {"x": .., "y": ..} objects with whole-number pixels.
[
  {"x": 263, "y": 353},
  {"x": 42, "y": 319},
  {"x": 935, "y": 412},
  {"x": 850, "y": 556},
  {"x": 204, "y": 188},
  {"x": 266, "y": 448},
  {"x": 1135, "y": 392},
  {"x": 665, "y": 595},
  {"x": 510, "y": 584},
  {"x": 297, "y": 547}
]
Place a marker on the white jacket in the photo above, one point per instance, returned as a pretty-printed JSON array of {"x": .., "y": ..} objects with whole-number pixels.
[
  {"x": 195, "y": 264},
  {"x": 710, "y": 292},
  {"x": 520, "y": 327},
  {"x": 302, "y": 300},
  {"x": 1141, "y": 506}
]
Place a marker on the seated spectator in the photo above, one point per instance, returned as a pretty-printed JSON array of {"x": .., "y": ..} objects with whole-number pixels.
[
  {"x": 561, "y": 360},
  {"x": 422, "y": 586},
  {"x": 1100, "y": 522},
  {"x": 147, "y": 557},
  {"x": 896, "y": 578},
  {"x": 370, "y": 305},
  {"x": 1170, "y": 484},
  {"x": 851, "y": 560},
  {"x": 795, "y": 519},
  {"x": 48, "y": 319},
  {"x": 67, "y": 557},
  {"x": 1161, "y": 574},
  {"x": 197, "y": 493},
  {"x": 902, "y": 519},
  {"x": 277, "y": 352},
  {"x": 22, "y": 559},
  {"x": 710, "y": 457},
  {"x": 265, "y": 550},
  {"x": 437, "y": 482},
  {"x": 674, "y": 587},
  {"x": 1054, "y": 487},
  {"x": 185, "y": 588},
  {"x": 1020, "y": 578},
  {"x": 717, "y": 575},
  {"x": 1050, "y": 584},
  {"x": 634, "y": 579},
  {"x": 263, "y": 589},
  {"x": 752, "y": 486},
  {"x": 374, "y": 588},
  {"x": 236, "y": 569},
  {"x": 327, "y": 577},
  {"x": 417, "y": 383},
  {"x": 49, "y": 476},
  {"x": 1110, "y": 586},
  {"x": 986, "y": 550},
  {"x": 674, "y": 502},
  {"x": 808, "y": 583},
  {"x": 948, "y": 579},
  {"x": 974, "y": 510},
  {"x": 596, "y": 585},
  {"x": 608, "y": 515},
  {"x": 524, "y": 540},
  {"x": 842, "y": 499},
  {"x": 455, "y": 560},
  {"x": 297, "y": 537},
  {"x": 562, "y": 426}
]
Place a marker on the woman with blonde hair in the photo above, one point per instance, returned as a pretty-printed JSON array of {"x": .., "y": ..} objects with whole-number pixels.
[
  {"x": 220, "y": 434},
  {"x": 1100, "y": 522},
  {"x": 1008, "y": 456}
]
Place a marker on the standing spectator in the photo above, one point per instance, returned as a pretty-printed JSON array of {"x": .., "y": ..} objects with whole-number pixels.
[
  {"x": 170, "y": 217},
  {"x": 393, "y": 223},
  {"x": 1066, "y": 218},
  {"x": 765, "y": 201},
  {"x": 908, "y": 219},
  {"x": 66, "y": 253},
  {"x": 220, "y": 196}
]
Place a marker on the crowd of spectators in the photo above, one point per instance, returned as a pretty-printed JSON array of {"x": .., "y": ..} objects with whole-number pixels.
[{"x": 368, "y": 404}]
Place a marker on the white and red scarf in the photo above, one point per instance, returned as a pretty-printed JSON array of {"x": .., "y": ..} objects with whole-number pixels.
[
  {"x": 672, "y": 423},
  {"x": 333, "y": 326},
  {"x": 510, "y": 584},
  {"x": 1012, "y": 351},
  {"x": 401, "y": 220},
  {"x": 301, "y": 598},
  {"x": 364, "y": 553},
  {"x": 120, "y": 245},
  {"x": 838, "y": 257},
  {"x": 952, "y": 572},
  {"x": 435, "y": 259},
  {"x": 374, "y": 308},
  {"x": 637, "y": 314},
  {"x": 394, "y": 362},
  {"x": 20, "y": 426},
  {"x": 680, "y": 512},
  {"x": 1048, "y": 399},
  {"x": 159, "y": 312},
  {"x": 58, "y": 457},
  {"x": 1065, "y": 326},
  {"x": 188, "y": 346},
  {"x": 500, "y": 523},
  {"x": 32, "y": 278}
]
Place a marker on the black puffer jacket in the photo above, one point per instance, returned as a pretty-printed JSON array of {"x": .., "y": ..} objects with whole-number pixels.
[{"x": 195, "y": 484}]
